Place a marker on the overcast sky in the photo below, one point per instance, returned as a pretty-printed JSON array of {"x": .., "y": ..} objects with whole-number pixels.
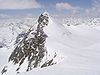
[{"x": 13, "y": 7}]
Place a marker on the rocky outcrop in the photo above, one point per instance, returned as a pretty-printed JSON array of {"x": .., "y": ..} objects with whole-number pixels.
[{"x": 31, "y": 46}]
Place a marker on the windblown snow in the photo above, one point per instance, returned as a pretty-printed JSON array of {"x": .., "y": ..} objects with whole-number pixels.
[{"x": 75, "y": 40}]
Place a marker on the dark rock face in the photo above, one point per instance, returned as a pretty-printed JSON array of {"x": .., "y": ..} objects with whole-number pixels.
[
  {"x": 32, "y": 47},
  {"x": 2, "y": 45}
]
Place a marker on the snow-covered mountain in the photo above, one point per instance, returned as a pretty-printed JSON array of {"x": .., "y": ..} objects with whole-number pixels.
[
  {"x": 76, "y": 42},
  {"x": 10, "y": 28},
  {"x": 30, "y": 50}
]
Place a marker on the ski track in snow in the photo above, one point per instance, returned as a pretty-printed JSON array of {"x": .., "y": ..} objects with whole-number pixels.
[{"x": 79, "y": 47}]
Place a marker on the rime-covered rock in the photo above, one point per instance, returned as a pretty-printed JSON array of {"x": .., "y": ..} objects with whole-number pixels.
[{"x": 30, "y": 46}]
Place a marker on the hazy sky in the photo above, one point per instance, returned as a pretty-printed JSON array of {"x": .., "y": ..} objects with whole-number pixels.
[{"x": 57, "y": 7}]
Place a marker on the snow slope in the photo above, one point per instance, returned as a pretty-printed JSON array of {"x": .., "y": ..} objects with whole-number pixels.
[{"x": 79, "y": 47}]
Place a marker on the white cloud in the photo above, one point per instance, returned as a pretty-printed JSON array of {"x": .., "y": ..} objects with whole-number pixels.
[
  {"x": 63, "y": 6},
  {"x": 96, "y": 5},
  {"x": 66, "y": 6},
  {"x": 19, "y": 4},
  {"x": 76, "y": 12},
  {"x": 95, "y": 9}
]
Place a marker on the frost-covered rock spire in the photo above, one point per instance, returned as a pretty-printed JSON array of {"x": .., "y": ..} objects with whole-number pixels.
[{"x": 32, "y": 51}]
